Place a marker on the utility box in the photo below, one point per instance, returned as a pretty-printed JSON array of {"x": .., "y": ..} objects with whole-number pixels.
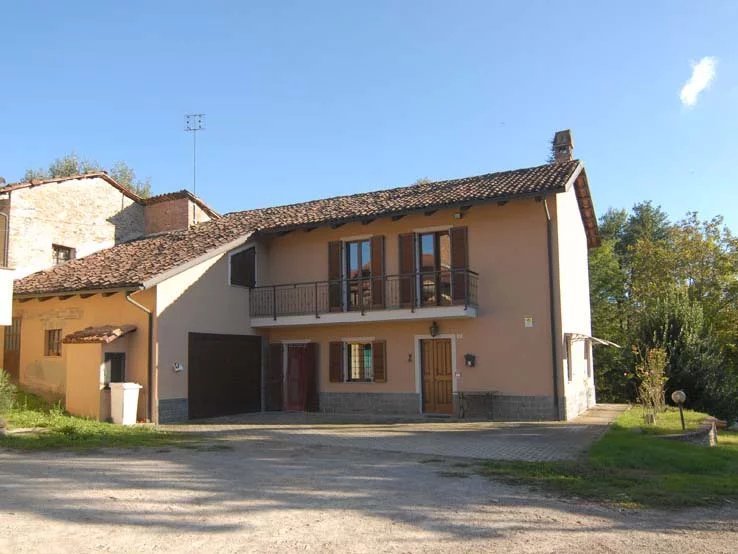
[{"x": 124, "y": 402}]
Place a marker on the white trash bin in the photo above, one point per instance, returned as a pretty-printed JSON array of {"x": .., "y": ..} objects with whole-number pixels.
[{"x": 124, "y": 402}]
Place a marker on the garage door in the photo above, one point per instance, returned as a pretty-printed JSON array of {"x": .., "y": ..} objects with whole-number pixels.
[{"x": 224, "y": 374}]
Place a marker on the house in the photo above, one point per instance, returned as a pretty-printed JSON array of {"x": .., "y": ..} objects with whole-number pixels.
[
  {"x": 466, "y": 297},
  {"x": 44, "y": 223}
]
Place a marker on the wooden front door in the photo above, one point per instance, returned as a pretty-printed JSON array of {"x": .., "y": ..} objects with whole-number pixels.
[
  {"x": 437, "y": 376},
  {"x": 300, "y": 380},
  {"x": 11, "y": 351}
]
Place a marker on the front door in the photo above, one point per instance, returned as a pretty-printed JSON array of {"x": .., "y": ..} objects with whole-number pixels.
[
  {"x": 437, "y": 376},
  {"x": 11, "y": 352},
  {"x": 300, "y": 379}
]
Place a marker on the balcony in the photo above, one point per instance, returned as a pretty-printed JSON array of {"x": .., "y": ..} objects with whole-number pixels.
[{"x": 422, "y": 295}]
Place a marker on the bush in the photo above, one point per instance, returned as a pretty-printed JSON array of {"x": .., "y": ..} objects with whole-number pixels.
[{"x": 7, "y": 392}]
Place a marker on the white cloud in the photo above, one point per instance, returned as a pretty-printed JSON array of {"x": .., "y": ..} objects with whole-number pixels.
[{"x": 703, "y": 72}]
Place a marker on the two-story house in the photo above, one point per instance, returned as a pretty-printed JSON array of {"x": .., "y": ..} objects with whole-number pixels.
[
  {"x": 466, "y": 297},
  {"x": 45, "y": 223}
]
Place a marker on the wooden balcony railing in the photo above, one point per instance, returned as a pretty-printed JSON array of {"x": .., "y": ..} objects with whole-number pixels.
[{"x": 454, "y": 287}]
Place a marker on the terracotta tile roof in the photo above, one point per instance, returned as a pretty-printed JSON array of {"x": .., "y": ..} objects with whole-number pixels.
[
  {"x": 104, "y": 334},
  {"x": 131, "y": 264},
  {"x": 184, "y": 193}
]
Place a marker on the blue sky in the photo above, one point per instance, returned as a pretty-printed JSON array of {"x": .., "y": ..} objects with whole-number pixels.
[{"x": 312, "y": 99}]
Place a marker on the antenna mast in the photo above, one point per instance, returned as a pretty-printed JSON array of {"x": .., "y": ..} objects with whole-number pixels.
[{"x": 194, "y": 122}]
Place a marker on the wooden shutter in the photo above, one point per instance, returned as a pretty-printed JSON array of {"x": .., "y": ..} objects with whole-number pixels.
[
  {"x": 243, "y": 268},
  {"x": 311, "y": 363},
  {"x": 459, "y": 263},
  {"x": 335, "y": 362},
  {"x": 379, "y": 361},
  {"x": 407, "y": 269},
  {"x": 377, "y": 246},
  {"x": 275, "y": 377},
  {"x": 334, "y": 276}
]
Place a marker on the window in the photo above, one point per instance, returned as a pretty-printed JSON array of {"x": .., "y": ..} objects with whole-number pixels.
[
  {"x": 434, "y": 257},
  {"x": 359, "y": 365},
  {"x": 62, "y": 254},
  {"x": 115, "y": 368},
  {"x": 356, "y": 360},
  {"x": 358, "y": 273},
  {"x": 243, "y": 268},
  {"x": 52, "y": 342}
]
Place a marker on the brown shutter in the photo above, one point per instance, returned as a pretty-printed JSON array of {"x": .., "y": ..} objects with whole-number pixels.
[
  {"x": 407, "y": 269},
  {"x": 377, "y": 245},
  {"x": 243, "y": 268},
  {"x": 334, "y": 276},
  {"x": 459, "y": 263},
  {"x": 274, "y": 378},
  {"x": 311, "y": 363},
  {"x": 335, "y": 362},
  {"x": 379, "y": 360}
]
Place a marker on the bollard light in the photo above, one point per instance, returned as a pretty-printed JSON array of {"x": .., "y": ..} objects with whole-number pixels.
[{"x": 679, "y": 397}]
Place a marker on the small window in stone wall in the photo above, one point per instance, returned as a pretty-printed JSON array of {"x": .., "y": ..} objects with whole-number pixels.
[
  {"x": 52, "y": 342},
  {"x": 62, "y": 254}
]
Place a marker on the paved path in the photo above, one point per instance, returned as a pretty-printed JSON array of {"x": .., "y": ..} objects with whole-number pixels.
[{"x": 464, "y": 439}]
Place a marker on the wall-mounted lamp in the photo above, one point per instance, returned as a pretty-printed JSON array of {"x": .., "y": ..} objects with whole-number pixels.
[
  {"x": 433, "y": 329},
  {"x": 458, "y": 215},
  {"x": 470, "y": 360},
  {"x": 410, "y": 357},
  {"x": 177, "y": 367}
]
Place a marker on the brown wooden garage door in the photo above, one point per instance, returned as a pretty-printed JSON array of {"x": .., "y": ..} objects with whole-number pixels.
[{"x": 224, "y": 374}]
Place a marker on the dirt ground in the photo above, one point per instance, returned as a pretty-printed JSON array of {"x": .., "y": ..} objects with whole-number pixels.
[{"x": 269, "y": 496}]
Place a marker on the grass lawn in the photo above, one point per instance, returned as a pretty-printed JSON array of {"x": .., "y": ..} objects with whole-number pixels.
[
  {"x": 50, "y": 427},
  {"x": 629, "y": 466}
]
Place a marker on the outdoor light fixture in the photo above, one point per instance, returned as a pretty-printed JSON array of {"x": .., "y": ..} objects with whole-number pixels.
[
  {"x": 679, "y": 397},
  {"x": 434, "y": 329},
  {"x": 470, "y": 360}
]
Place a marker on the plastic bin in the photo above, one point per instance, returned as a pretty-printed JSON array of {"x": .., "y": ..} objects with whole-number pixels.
[{"x": 124, "y": 402}]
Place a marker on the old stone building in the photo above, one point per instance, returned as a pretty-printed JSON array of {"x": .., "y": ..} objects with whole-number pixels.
[{"x": 44, "y": 223}]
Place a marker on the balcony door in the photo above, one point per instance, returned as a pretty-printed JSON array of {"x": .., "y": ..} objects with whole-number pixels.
[
  {"x": 434, "y": 262},
  {"x": 358, "y": 274}
]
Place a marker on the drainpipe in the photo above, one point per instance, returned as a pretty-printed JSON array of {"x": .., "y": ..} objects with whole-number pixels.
[
  {"x": 150, "y": 368},
  {"x": 552, "y": 308}
]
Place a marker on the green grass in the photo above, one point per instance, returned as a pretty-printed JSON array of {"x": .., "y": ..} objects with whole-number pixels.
[
  {"x": 50, "y": 427},
  {"x": 630, "y": 466}
]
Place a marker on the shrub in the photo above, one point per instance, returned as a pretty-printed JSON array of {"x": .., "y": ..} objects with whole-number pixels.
[{"x": 7, "y": 392}]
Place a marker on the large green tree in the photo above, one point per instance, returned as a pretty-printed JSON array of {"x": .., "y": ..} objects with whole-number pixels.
[
  {"x": 72, "y": 164},
  {"x": 658, "y": 284}
]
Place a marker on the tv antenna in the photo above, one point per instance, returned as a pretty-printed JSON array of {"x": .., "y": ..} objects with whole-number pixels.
[{"x": 194, "y": 122}]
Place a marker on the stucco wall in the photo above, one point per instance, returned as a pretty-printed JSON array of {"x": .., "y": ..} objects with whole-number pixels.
[
  {"x": 196, "y": 300},
  {"x": 574, "y": 305},
  {"x": 85, "y": 214},
  {"x": 83, "y": 364},
  {"x": 48, "y": 375},
  {"x": 507, "y": 247}
]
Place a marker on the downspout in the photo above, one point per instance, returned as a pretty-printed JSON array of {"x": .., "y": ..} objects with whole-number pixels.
[
  {"x": 150, "y": 365},
  {"x": 552, "y": 308}
]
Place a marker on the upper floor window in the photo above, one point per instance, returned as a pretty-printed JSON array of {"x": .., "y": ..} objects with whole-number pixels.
[
  {"x": 62, "y": 254},
  {"x": 243, "y": 268},
  {"x": 358, "y": 273}
]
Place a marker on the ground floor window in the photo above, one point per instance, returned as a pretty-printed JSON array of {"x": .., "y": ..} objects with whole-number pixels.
[
  {"x": 359, "y": 365},
  {"x": 52, "y": 342}
]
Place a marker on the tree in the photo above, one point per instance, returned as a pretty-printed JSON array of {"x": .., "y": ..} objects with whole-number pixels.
[{"x": 72, "y": 164}]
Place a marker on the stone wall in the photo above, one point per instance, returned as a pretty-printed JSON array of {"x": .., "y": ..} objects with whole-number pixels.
[
  {"x": 85, "y": 214},
  {"x": 370, "y": 403},
  {"x": 173, "y": 410},
  {"x": 501, "y": 407}
]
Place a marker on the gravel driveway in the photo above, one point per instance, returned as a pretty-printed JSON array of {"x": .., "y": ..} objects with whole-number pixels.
[{"x": 254, "y": 495}]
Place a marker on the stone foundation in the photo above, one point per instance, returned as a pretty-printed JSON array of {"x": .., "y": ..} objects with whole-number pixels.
[
  {"x": 393, "y": 403},
  {"x": 173, "y": 410},
  {"x": 501, "y": 407}
]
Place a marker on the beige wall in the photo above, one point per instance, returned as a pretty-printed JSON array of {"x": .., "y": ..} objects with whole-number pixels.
[
  {"x": 196, "y": 300},
  {"x": 573, "y": 303},
  {"x": 83, "y": 366},
  {"x": 507, "y": 247},
  {"x": 85, "y": 214},
  {"x": 48, "y": 375}
]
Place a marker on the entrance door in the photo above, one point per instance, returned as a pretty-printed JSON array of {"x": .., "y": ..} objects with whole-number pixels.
[
  {"x": 300, "y": 383},
  {"x": 11, "y": 352},
  {"x": 437, "y": 374},
  {"x": 115, "y": 367}
]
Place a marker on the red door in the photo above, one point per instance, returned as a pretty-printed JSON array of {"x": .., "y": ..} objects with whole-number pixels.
[{"x": 300, "y": 383}]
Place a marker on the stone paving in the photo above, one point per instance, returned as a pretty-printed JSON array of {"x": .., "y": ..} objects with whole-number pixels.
[{"x": 545, "y": 441}]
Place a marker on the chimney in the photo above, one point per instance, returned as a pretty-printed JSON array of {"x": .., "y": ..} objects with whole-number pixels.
[{"x": 563, "y": 147}]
